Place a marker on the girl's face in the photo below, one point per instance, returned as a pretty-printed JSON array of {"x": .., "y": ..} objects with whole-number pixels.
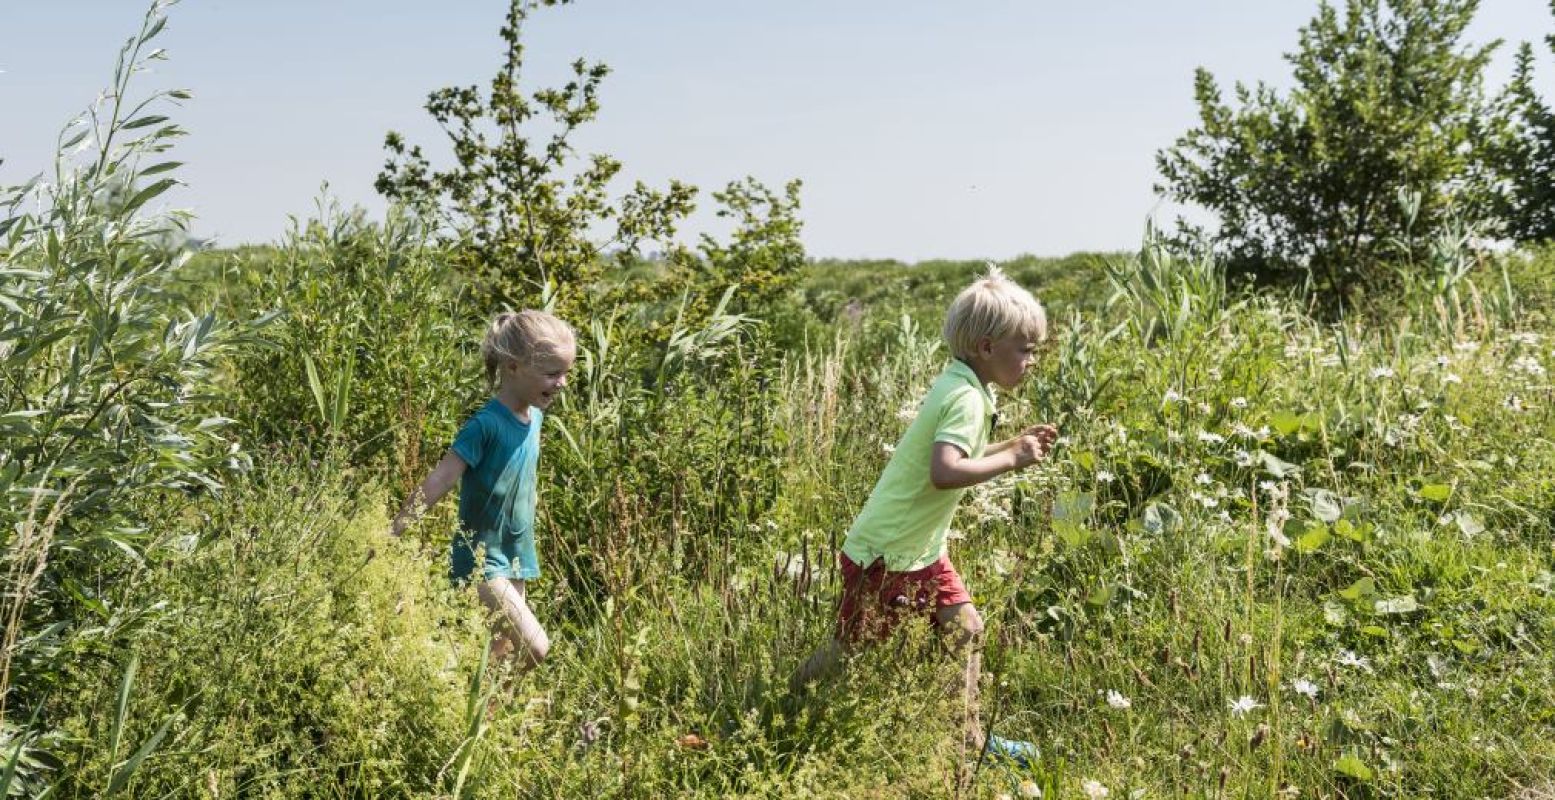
[{"x": 537, "y": 383}]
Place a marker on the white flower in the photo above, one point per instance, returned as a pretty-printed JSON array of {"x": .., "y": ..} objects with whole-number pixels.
[
  {"x": 1304, "y": 687},
  {"x": 1243, "y": 458},
  {"x": 1174, "y": 437},
  {"x": 1348, "y": 658},
  {"x": 1117, "y": 700},
  {"x": 1029, "y": 788},
  {"x": 1465, "y": 347},
  {"x": 1203, "y": 408},
  {"x": 1451, "y": 377},
  {"x": 1203, "y": 479},
  {"x": 1208, "y": 437},
  {"x": 908, "y": 412},
  {"x": 1171, "y": 396},
  {"x": 888, "y": 448},
  {"x": 1528, "y": 338},
  {"x": 1528, "y": 365},
  {"x": 1513, "y": 403},
  {"x": 1103, "y": 476},
  {"x": 1381, "y": 372},
  {"x": 1240, "y": 429},
  {"x": 1094, "y": 789},
  {"x": 1244, "y": 705},
  {"x": 1239, "y": 402},
  {"x": 1207, "y": 501}
]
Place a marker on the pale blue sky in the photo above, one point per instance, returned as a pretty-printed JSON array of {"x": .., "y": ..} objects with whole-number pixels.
[{"x": 921, "y": 128}]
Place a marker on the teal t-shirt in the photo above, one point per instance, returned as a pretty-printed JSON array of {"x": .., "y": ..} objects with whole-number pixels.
[
  {"x": 497, "y": 494},
  {"x": 906, "y": 519}
]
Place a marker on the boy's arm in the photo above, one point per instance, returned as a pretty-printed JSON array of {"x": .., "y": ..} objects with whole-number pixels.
[
  {"x": 1047, "y": 433},
  {"x": 950, "y": 468},
  {"x": 443, "y": 477}
]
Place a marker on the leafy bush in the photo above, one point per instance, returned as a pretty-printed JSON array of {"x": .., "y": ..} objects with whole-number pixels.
[{"x": 107, "y": 403}]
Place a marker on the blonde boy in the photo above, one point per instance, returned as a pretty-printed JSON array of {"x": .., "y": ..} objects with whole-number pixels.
[{"x": 894, "y": 561}]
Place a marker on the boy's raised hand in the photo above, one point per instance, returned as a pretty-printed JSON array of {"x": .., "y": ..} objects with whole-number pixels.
[{"x": 1046, "y": 434}]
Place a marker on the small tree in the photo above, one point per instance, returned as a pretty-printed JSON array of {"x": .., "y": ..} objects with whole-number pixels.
[
  {"x": 1305, "y": 185},
  {"x": 520, "y": 214}
]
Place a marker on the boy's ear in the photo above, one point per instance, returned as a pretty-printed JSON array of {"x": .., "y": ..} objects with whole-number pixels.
[{"x": 985, "y": 346}]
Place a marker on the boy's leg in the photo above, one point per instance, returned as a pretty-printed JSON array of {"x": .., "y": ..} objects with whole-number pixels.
[
  {"x": 962, "y": 629},
  {"x": 821, "y": 664},
  {"x": 519, "y": 633}
]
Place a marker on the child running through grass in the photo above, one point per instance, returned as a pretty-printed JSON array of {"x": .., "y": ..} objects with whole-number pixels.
[
  {"x": 527, "y": 355},
  {"x": 894, "y": 561}
]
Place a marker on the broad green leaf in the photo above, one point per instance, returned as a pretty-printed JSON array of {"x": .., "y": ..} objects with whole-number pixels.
[
  {"x": 316, "y": 386},
  {"x": 1364, "y": 587},
  {"x": 147, "y": 193},
  {"x": 1316, "y": 536},
  {"x": 1350, "y": 766},
  {"x": 1285, "y": 422},
  {"x": 1437, "y": 492}
]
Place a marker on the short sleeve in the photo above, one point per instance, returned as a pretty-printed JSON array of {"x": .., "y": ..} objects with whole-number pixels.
[
  {"x": 961, "y": 420},
  {"x": 472, "y": 442}
]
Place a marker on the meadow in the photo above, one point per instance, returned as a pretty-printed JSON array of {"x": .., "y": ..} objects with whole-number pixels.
[{"x": 1277, "y": 553}]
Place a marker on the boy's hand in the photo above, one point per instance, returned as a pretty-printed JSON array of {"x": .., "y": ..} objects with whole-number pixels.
[
  {"x": 1046, "y": 433},
  {"x": 1028, "y": 450}
]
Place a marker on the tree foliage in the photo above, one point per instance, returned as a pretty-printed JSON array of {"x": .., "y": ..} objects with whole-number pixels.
[
  {"x": 1386, "y": 99},
  {"x": 1524, "y": 154},
  {"x": 523, "y": 210}
]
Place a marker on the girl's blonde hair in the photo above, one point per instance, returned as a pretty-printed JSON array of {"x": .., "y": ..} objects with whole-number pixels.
[
  {"x": 993, "y": 306},
  {"x": 523, "y": 336}
]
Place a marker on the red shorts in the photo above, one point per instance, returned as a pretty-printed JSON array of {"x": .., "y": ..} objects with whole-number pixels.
[{"x": 875, "y": 601}]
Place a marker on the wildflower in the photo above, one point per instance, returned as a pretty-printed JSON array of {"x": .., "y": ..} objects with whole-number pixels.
[
  {"x": 907, "y": 413},
  {"x": 1117, "y": 700},
  {"x": 1528, "y": 338},
  {"x": 1348, "y": 658},
  {"x": 1451, "y": 377},
  {"x": 888, "y": 448},
  {"x": 1170, "y": 397},
  {"x": 1465, "y": 347},
  {"x": 1203, "y": 479},
  {"x": 1203, "y": 408},
  {"x": 1244, "y": 705},
  {"x": 1103, "y": 476},
  {"x": 1513, "y": 403},
  {"x": 1208, "y": 501},
  {"x": 1214, "y": 374},
  {"x": 1528, "y": 365},
  {"x": 1241, "y": 430},
  {"x": 1029, "y": 788},
  {"x": 1239, "y": 402},
  {"x": 1305, "y": 688},
  {"x": 1243, "y": 458},
  {"x": 1208, "y": 437},
  {"x": 1094, "y": 790},
  {"x": 1442, "y": 362},
  {"x": 1174, "y": 436},
  {"x": 1381, "y": 372}
]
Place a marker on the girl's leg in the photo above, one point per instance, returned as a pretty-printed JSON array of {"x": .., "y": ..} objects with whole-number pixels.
[
  {"x": 518, "y": 631},
  {"x": 962, "y": 628}
]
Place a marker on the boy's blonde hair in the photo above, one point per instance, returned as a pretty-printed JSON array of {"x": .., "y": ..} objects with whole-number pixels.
[
  {"x": 993, "y": 306},
  {"x": 524, "y": 336}
]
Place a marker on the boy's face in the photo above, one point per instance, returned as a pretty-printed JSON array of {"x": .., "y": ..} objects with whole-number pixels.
[{"x": 1005, "y": 360}]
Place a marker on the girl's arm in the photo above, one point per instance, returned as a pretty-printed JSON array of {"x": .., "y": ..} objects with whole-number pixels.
[{"x": 443, "y": 477}]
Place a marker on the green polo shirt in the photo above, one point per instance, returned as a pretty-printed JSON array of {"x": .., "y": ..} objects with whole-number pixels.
[{"x": 905, "y": 519}]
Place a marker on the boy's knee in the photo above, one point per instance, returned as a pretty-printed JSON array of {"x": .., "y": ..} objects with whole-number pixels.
[{"x": 963, "y": 624}]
